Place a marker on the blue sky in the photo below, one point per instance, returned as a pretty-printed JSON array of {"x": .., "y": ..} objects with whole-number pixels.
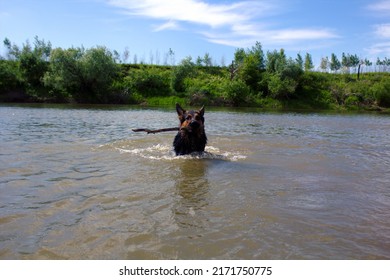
[{"x": 149, "y": 28}]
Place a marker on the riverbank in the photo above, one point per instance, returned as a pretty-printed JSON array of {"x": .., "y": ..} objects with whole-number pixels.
[{"x": 93, "y": 76}]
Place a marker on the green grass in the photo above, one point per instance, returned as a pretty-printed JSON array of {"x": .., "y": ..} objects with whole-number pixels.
[{"x": 165, "y": 101}]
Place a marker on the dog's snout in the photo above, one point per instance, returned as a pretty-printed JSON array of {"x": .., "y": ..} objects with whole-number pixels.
[{"x": 194, "y": 124}]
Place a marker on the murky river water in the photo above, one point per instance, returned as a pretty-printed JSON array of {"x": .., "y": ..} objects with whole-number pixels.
[{"x": 77, "y": 183}]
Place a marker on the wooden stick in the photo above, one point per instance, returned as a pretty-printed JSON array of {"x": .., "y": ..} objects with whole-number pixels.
[{"x": 157, "y": 130}]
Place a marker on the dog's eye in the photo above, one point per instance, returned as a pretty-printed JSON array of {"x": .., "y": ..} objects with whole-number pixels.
[
  {"x": 197, "y": 118},
  {"x": 189, "y": 117}
]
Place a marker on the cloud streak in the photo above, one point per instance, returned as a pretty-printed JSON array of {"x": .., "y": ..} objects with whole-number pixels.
[
  {"x": 238, "y": 24},
  {"x": 382, "y": 30},
  {"x": 381, "y": 7}
]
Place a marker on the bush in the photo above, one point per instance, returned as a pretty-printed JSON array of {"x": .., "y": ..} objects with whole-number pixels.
[
  {"x": 381, "y": 92},
  {"x": 85, "y": 74},
  {"x": 281, "y": 88},
  {"x": 148, "y": 82},
  {"x": 9, "y": 76},
  {"x": 180, "y": 73},
  {"x": 237, "y": 92}
]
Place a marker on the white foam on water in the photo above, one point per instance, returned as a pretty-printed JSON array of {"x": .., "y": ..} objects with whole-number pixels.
[{"x": 165, "y": 152}]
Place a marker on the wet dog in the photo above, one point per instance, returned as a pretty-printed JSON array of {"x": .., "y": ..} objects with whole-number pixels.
[{"x": 191, "y": 136}]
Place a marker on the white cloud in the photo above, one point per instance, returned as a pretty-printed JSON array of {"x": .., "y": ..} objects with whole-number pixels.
[
  {"x": 303, "y": 34},
  {"x": 238, "y": 24},
  {"x": 194, "y": 11},
  {"x": 382, "y": 30},
  {"x": 380, "y": 7},
  {"x": 169, "y": 25},
  {"x": 379, "y": 49}
]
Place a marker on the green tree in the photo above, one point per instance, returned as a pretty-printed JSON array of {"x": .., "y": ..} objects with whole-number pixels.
[
  {"x": 237, "y": 92},
  {"x": 10, "y": 78},
  {"x": 335, "y": 64},
  {"x": 86, "y": 75},
  {"x": 184, "y": 70},
  {"x": 381, "y": 92},
  {"x": 239, "y": 56},
  {"x": 32, "y": 63},
  {"x": 355, "y": 61},
  {"x": 148, "y": 81},
  {"x": 257, "y": 52},
  {"x": 276, "y": 61},
  {"x": 346, "y": 62},
  {"x": 252, "y": 67},
  {"x": 308, "y": 65},
  {"x": 284, "y": 75},
  {"x": 207, "y": 60},
  {"x": 199, "y": 61},
  {"x": 299, "y": 61},
  {"x": 324, "y": 65}
]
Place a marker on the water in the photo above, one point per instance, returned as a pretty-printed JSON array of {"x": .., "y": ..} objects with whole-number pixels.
[{"x": 77, "y": 183}]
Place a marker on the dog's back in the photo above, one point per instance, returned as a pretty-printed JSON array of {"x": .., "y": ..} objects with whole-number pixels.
[{"x": 191, "y": 136}]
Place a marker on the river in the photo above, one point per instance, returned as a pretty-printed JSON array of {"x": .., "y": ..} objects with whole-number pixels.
[{"x": 77, "y": 183}]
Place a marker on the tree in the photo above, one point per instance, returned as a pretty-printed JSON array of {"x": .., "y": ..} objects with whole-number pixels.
[
  {"x": 86, "y": 75},
  {"x": 276, "y": 61},
  {"x": 148, "y": 81},
  {"x": 335, "y": 64},
  {"x": 207, "y": 60},
  {"x": 299, "y": 60},
  {"x": 257, "y": 52},
  {"x": 249, "y": 65},
  {"x": 345, "y": 62},
  {"x": 355, "y": 61},
  {"x": 171, "y": 55},
  {"x": 283, "y": 75},
  {"x": 9, "y": 76},
  {"x": 32, "y": 61},
  {"x": 199, "y": 61},
  {"x": 367, "y": 62},
  {"x": 324, "y": 65},
  {"x": 239, "y": 56},
  {"x": 185, "y": 69},
  {"x": 237, "y": 92},
  {"x": 308, "y": 66},
  {"x": 126, "y": 55},
  {"x": 13, "y": 51}
]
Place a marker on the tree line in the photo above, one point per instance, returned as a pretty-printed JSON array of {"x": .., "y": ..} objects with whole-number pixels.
[
  {"x": 38, "y": 72},
  {"x": 353, "y": 63}
]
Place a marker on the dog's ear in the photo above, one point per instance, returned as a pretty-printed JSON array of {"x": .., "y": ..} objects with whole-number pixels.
[
  {"x": 201, "y": 111},
  {"x": 180, "y": 110}
]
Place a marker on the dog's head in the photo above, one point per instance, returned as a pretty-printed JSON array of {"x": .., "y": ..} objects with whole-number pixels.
[{"x": 191, "y": 121}]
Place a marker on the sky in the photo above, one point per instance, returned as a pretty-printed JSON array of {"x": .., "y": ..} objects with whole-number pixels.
[{"x": 148, "y": 29}]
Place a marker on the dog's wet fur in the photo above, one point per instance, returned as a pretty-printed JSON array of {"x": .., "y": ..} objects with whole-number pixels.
[{"x": 191, "y": 137}]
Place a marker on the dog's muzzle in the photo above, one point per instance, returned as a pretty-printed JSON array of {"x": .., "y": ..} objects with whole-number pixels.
[{"x": 194, "y": 125}]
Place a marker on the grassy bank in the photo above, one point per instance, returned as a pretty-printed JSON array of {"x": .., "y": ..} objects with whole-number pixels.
[{"x": 272, "y": 81}]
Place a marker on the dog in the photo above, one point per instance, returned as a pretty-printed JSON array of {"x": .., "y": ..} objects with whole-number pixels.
[{"x": 191, "y": 137}]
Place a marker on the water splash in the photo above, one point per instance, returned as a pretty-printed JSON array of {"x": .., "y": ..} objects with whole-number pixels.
[{"x": 164, "y": 152}]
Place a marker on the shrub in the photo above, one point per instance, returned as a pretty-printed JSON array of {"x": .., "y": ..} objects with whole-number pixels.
[
  {"x": 381, "y": 92},
  {"x": 85, "y": 74},
  {"x": 281, "y": 88},
  {"x": 9, "y": 76},
  {"x": 148, "y": 82},
  {"x": 237, "y": 92},
  {"x": 185, "y": 70}
]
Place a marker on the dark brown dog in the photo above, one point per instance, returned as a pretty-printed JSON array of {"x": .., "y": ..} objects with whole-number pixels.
[{"x": 191, "y": 136}]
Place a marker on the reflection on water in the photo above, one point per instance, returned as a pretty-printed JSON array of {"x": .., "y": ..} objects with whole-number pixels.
[
  {"x": 192, "y": 189},
  {"x": 76, "y": 183}
]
